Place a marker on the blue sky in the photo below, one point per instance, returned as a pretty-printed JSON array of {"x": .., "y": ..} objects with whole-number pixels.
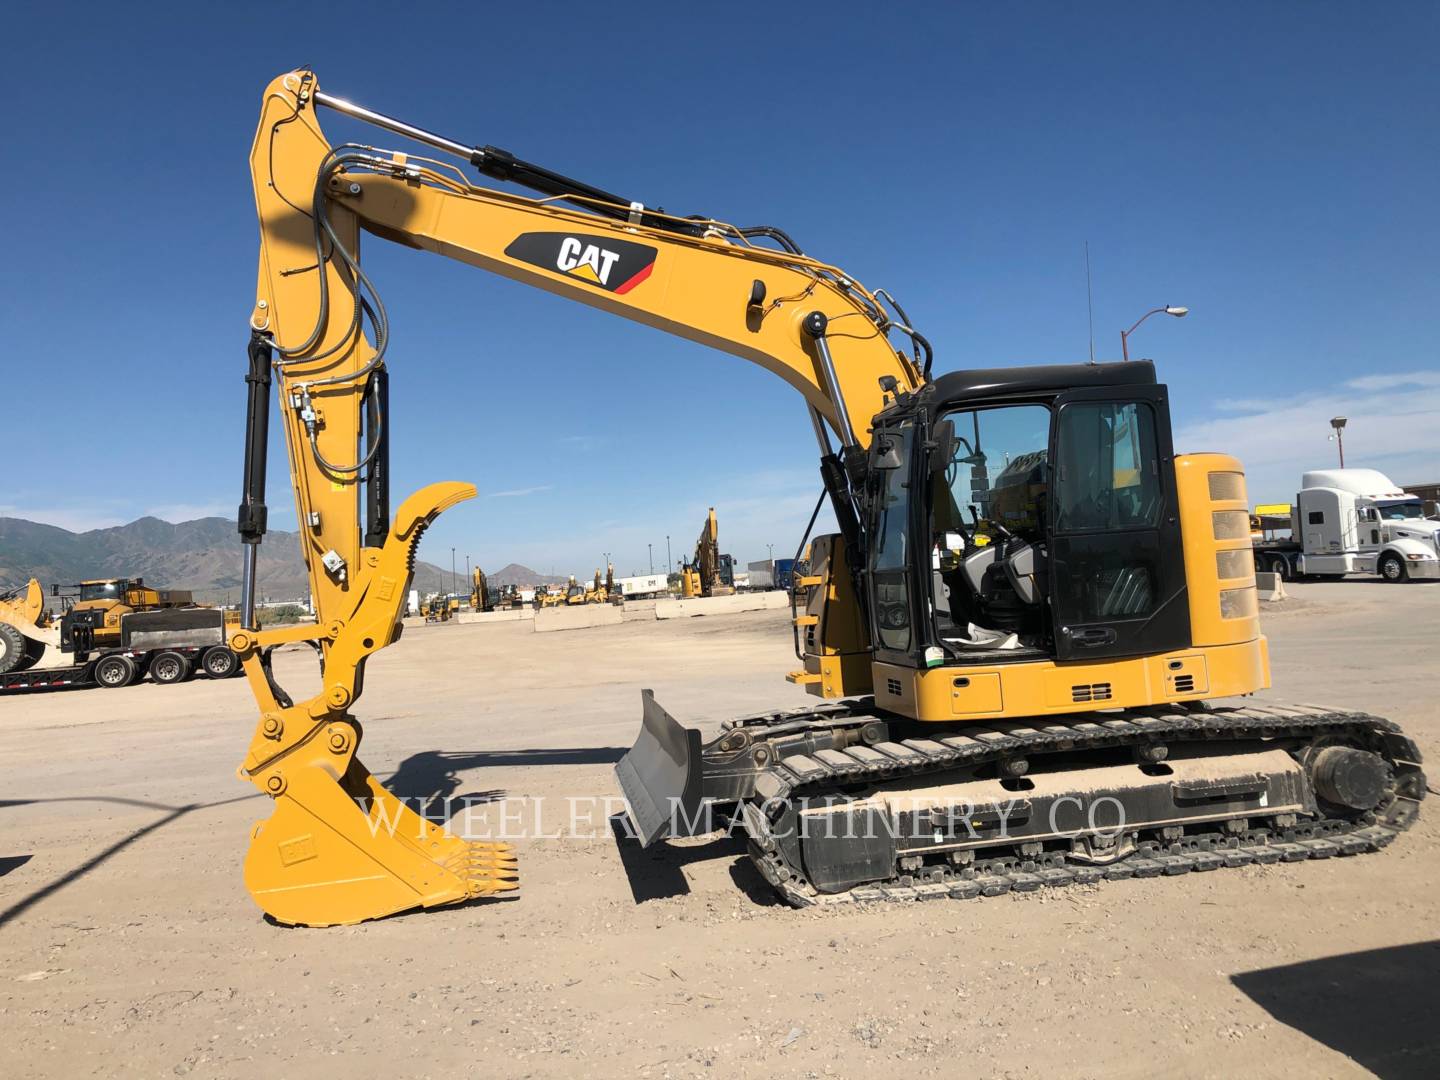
[{"x": 1272, "y": 166}]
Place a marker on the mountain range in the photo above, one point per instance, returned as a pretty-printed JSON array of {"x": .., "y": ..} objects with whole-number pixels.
[{"x": 201, "y": 555}]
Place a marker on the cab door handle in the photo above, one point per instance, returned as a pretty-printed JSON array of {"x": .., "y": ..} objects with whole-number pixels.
[{"x": 1092, "y": 636}]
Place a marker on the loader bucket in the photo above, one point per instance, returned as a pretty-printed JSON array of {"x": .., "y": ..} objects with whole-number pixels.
[
  {"x": 661, "y": 775},
  {"x": 343, "y": 849}
]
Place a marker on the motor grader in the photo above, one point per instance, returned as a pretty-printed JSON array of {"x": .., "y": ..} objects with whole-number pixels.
[{"x": 1021, "y": 681}]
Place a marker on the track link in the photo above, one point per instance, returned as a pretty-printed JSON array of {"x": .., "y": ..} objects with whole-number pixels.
[{"x": 1263, "y": 841}]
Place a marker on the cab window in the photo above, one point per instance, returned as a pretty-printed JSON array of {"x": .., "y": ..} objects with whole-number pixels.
[{"x": 1108, "y": 472}]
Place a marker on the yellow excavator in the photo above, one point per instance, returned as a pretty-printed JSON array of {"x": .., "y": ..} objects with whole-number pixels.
[
  {"x": 481, "y": 598},
  {"x": 707, "y": 572},
  {"x": 1036, "y": 709}
]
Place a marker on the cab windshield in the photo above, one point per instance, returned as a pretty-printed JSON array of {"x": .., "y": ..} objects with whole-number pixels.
[
  {"x": 1408, "y": 510},
  {"x": 996, "y": 478},
  {"x": 110, "y": 590}
]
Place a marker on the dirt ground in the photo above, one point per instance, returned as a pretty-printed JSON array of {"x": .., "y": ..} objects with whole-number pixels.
[{"x": 129, "y": 946}]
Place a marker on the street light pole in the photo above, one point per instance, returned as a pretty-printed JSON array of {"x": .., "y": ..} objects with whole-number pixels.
[
  {"x": 651, "y": 549},
  {"x": 669, "y": 562},
  {"x": 1338, "y": 423},
  {"x": 452, "y": 571},
  {"x": 1168, "y": 309}
]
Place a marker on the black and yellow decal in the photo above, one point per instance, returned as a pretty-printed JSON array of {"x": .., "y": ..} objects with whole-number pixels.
[{"x": 616, "y": 266}]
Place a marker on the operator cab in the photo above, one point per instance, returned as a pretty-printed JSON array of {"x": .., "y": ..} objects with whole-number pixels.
[
  {"x": 1043, "y": 510},
  {"x": 115, "y": 590}
]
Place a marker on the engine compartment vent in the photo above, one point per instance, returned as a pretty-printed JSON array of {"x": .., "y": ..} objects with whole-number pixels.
[
  {"x": 892, "y": 687},
  {"x": 1099, "y": 691},
  {"x": 1184, "y": 684}
]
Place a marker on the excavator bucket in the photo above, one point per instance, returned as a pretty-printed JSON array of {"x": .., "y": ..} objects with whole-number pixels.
[{"x": 340, "y": 850}]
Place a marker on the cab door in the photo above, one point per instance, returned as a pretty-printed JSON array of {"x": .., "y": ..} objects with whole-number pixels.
[{"x": 1117, "y": 568}]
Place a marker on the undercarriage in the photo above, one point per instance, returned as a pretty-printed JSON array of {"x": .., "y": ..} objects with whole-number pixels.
[{"x": 846, "y": 803}]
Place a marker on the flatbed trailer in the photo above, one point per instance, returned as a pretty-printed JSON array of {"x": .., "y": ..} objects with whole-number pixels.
[{"x": 114, "y": 668}]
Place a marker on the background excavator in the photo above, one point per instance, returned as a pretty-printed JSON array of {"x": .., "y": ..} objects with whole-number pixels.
[
  {"x": 708, "y": 572},
  {"x": 1020, "y": 674},
  {"x": 481, "y": 598}
]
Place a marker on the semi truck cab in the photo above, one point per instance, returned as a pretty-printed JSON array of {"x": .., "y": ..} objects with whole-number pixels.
[{"x": 1354, "y": 521}]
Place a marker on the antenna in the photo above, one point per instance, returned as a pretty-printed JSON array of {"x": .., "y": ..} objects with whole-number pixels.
[{"x": 1090, "y": 301}]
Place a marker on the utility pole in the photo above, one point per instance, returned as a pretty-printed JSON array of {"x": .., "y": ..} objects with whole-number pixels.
[
  {"x": 651, "y": 549},
  {"x": 452, "y": 571},
  {"x": 669, "y": 561},
  {"x": 468, "y": 576}
]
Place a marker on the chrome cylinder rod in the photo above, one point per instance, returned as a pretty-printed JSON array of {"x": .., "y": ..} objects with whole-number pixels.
[
  {"x": 815, "y": 324},
  {"x": 389, "y": 123},
  {"x": 247, "y": 587}
]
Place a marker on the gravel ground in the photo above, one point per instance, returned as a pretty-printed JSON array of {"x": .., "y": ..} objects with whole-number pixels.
[{"x": 130, "y": 946}]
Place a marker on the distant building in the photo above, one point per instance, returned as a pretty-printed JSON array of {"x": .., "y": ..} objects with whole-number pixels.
[{"x": 1429, "y": 494}]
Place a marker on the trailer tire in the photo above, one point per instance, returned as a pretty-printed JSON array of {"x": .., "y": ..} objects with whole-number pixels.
[
  {"x": 14, "y": 656},
  {"x": 218, "y": 662},
  {"x": 169, "y": 667},
  {"x": 1392, "y": 568},
  {"x": 1280, "y": 566},
  {"x": 115, "y": 671}
]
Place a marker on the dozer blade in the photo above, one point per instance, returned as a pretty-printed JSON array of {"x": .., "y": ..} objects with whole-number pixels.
[
  {"x": 661, "y": 776},
  {"x": 340, "y": 851}
]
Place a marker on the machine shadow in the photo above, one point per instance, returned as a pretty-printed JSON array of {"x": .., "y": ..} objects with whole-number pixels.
[
  {"x": 1376, "y": 1007},
  {"x": 173, "y": 813},
  {"x": 434, "y": 774},
  {"x": 657, "y": 873},
  {"x": 13, "y": 862}
]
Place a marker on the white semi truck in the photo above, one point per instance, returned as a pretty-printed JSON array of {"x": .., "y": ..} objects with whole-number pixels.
[{"x": 1353, "y": 521}]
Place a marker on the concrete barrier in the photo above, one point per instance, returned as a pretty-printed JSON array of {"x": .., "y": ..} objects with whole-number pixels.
[
  {"x": 1269, "y": 586},
  {"x": 637, "y": 610},
  {"x": 579, "y": 617},
  {"x": 721, "y": 605},
  {"x": 508, "y": 615}
]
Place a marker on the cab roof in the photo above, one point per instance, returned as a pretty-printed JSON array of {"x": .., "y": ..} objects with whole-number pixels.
[{"x": 982, "y": 384}]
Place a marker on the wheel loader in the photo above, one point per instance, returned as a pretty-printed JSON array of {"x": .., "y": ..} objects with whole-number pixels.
[
  {"x": 26, "y": 627},
  {"x": 1034, "y": 633}
]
